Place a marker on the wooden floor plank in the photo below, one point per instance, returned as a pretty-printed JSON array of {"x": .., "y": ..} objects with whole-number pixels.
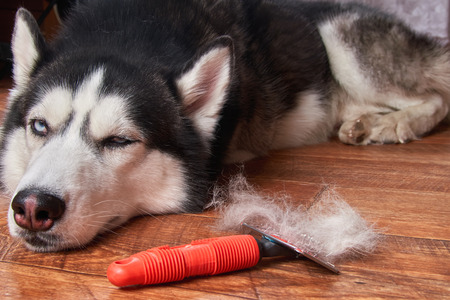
[
  {"x": 24, "y": 282},
  {"x": 384, "y": 174}
]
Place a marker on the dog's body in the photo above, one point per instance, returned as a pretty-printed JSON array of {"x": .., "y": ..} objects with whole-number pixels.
[{"x": 136, "y": 105}]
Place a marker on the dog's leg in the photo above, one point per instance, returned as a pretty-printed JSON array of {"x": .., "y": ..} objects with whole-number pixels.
[
  {"x": 399, "y": 126},
  {"x": 392, "y": 85}
]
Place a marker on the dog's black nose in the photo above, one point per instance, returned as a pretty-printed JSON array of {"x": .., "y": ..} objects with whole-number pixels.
[{"x": 36, "y": 211}]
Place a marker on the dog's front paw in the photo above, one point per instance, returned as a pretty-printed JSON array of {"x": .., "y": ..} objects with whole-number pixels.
[
  {"x": 391, "y": 130},
  {"x": 377, "y": 129}
]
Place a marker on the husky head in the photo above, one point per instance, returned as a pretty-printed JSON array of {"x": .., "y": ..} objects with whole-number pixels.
[{"x": 88, "y": 144}]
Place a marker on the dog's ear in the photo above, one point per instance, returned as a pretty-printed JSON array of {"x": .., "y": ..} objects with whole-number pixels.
[
  {"x": 27, "y": 47},
  {"x": 204, "y": 85}
]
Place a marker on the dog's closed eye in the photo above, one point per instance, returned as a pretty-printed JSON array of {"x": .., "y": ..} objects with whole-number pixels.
[{"x": 114, "y": 142}]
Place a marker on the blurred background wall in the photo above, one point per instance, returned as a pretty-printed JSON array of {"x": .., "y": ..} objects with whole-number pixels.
[{"x": 430, "y": 16}]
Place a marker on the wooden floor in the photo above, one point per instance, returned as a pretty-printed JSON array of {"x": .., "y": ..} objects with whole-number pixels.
[{"x": 404, "y": 189}]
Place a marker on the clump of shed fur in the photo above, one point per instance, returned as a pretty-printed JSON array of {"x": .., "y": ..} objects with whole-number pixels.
[{"x": 329, "y": 229}]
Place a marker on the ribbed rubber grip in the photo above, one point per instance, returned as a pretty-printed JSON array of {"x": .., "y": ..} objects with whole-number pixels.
[{"x": 203, "y": 257}]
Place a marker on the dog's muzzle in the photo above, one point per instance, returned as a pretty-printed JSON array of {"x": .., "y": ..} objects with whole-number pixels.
[{"x": 36, "y": 210}]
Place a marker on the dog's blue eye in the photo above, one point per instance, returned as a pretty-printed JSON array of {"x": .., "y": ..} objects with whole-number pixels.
[{"x": 39, "y": 127}]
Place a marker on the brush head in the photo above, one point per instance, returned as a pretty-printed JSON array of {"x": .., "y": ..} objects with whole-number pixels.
[{"x": 284, "y": 244}]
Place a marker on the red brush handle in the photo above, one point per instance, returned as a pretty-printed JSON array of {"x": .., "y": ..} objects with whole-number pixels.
[{"x": 203, "y": 257}]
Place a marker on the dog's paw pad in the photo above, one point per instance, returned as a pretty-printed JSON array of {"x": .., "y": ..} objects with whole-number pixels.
[
  {"x": 354, "y": 132},
  {"x": 358, "y": 132}
]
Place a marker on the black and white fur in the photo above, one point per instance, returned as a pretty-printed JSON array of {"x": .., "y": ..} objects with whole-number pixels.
[{"x": 133, "y": 108}]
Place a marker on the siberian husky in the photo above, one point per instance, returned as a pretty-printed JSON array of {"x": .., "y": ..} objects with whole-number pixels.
[{"x": 135, "y": 106}]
